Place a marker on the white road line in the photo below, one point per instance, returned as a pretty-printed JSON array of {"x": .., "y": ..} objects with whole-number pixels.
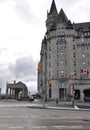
[
  {"x": 39, "y": 127},
  {"x": 18, "y": 127},
  {"x": 13, "y": 116},
  {"x": 69, "y": 127},
  {"x": 59, "y": 118},
  {"x": 76, "y": 107}
]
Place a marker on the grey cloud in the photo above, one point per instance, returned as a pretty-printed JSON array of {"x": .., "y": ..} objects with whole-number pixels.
[{"x": 23, "y": 67}]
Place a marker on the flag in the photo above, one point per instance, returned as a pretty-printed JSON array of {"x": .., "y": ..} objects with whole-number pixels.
[{"x": 84, "y": 71}]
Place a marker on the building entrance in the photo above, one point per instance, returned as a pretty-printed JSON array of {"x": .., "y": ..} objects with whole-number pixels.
[{"x": 86, "y": 94}]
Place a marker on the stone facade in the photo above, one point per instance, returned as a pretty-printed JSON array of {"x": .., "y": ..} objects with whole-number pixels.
[{"x": 64, "y": 58}]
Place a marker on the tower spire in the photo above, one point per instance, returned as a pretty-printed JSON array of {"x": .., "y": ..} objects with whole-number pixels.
[
  {"x": 62, "y": 17},
  {"x": 53, "y": 7}
]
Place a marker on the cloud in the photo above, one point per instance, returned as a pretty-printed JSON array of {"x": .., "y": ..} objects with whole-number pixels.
[
  {"x": 25, "y": 11},
  {"x": 76, "y": 10},
  {"x": 23, "y": 67}
]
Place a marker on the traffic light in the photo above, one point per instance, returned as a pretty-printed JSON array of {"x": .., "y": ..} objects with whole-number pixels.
[
  {"x": 39, "y": 67},
  {"x": 49, "y": 81}
]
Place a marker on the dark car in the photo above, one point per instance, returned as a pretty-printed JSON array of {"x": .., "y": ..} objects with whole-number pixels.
[
  {"x": 31, "y": 98},
  {"x": 87, "y": 98}
]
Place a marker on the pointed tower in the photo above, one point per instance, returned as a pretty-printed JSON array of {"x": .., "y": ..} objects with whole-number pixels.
[
  {"x": 62, "y": 18},
  {"x": 53, "y": 8},
  {"x": 51, "y": 17}
]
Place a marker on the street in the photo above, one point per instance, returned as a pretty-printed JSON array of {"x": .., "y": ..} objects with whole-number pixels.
[{"x": 18, "y": 116}]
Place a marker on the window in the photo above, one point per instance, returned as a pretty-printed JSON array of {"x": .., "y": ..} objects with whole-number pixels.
[
  {"x": 62, "y": 72},
  {"x": 87, "y": 34},
  {"x": 49, "y": 56},
  {"x": 58, "y": 55},
  {"x": 61, "y": 62},
  {"x": 83, "y": 55},
  {"x": 84, "y": 63},
  {"x": 61, "y": 30},
  {"x": 74, "y": 62},
  {"x": 61, "y": 53},
  {"x": 49, "y": 48},
  {"x": 83, "y": 48},
  {"x": 73, "y": 46},
  {"x": 61, "y": 46},
  {"x": 49, "y": 73},
  {"x": 57, "y": 63},
  {"x": 82, "y": 39},
  {"x": 49, "y": 64},
  {"x": 58, "y": 73},
  {"x": 74, "y": 55}
]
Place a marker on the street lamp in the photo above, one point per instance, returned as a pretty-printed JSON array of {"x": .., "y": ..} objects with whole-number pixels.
[{"x": 73, "y": 88}]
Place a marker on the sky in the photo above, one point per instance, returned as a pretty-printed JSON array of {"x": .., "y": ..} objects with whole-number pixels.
[{"x": 22, "y": 28}]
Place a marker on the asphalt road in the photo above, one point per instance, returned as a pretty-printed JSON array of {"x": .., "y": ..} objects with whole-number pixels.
[{"x": 18, "y": 116}]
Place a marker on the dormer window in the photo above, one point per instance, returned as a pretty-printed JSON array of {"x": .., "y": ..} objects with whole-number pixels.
[
  {"x": 61, "y": 30},
  {"x": 82, "y": 39}
]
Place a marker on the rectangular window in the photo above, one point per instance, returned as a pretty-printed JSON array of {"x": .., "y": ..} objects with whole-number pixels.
[
  {"x": 74, "y": 62},
  {"x": 83, "y": 48},
  {"x": 82, "y": 39},
  {"x": 84, "y": 63},
  {"x": 61, "y": 53},
  {"x": 61, "y": 30},
  {"x": 83, "y": 55},
  {"x": 62, "y": 73},
  {"x": 49, "y": 64},
  {"x": 74, "y": 55},
  {"x": 49, "y": 48},
  {"x": 58, "y": 55},
  {"x": 49, "y": 56},
  {"x": 49, "y": 73},
  {"x": 61, "y": 62},
  {"x": 73, "y": 46},
  {"x": 57, "y": 63}
]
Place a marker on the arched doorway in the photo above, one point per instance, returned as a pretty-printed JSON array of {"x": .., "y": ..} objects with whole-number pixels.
[{"x": 86, "y": 94}]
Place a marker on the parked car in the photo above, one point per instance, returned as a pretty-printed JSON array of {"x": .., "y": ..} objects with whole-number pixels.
[
  {"x": 31, "y": 98},
  {"x": 87, "y": 98}
]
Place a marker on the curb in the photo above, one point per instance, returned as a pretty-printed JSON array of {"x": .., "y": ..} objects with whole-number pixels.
[{"x": 59, "y": 108}]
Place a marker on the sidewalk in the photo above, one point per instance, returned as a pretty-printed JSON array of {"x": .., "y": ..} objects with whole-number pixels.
[{"x": 61, "y": 106}]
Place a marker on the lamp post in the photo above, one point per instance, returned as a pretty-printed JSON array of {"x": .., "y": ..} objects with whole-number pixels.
[
  {"x": 73, "y": 88},
  {"x": 43, "y": 69},
  {"x": 72, "y": 92}
]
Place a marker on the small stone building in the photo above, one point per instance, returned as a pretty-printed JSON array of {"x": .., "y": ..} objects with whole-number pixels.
[{"x": 13, "y": 90}]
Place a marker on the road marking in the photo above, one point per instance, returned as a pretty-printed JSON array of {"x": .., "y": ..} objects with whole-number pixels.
[
  {"x": 69, "y": 127},
  {"x": 59, "y": 118},
  {"x": 39, "y": 127},
  {"x": 76, "y": 107},
  {"x": 13, "y": 116},
  {"x": 18, "y": 127}
]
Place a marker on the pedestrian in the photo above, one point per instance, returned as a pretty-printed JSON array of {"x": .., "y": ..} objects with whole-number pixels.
[
  {"x": 56, "y": 101},
  {"x": 45, "y": 99}
]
